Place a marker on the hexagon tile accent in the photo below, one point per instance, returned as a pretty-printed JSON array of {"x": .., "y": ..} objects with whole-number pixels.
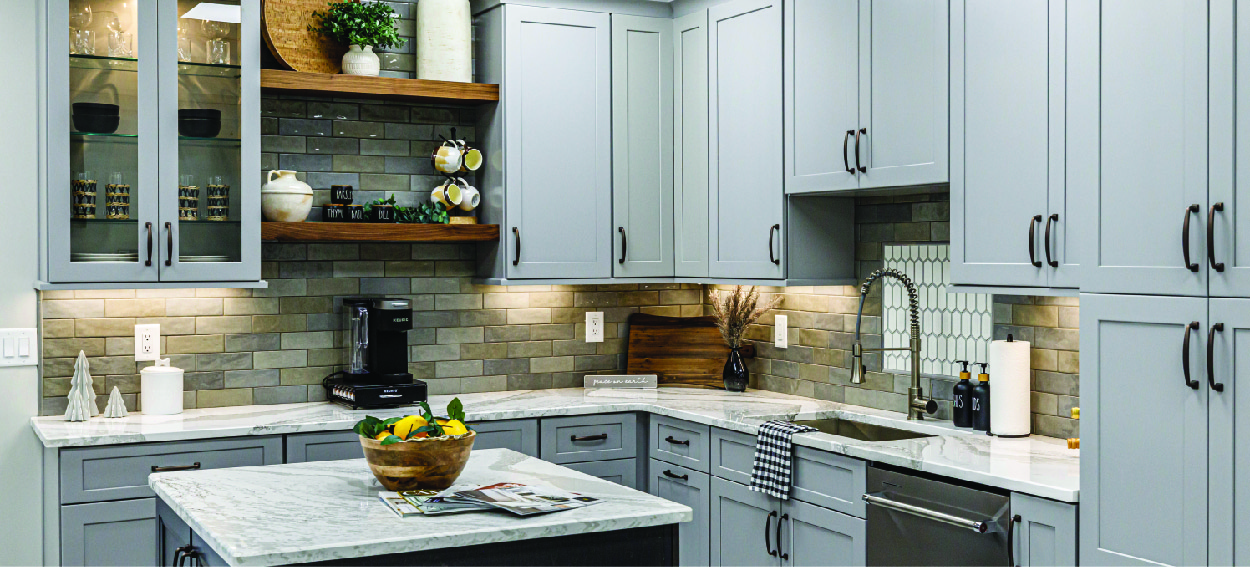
[{"x": 953, "y": 326}]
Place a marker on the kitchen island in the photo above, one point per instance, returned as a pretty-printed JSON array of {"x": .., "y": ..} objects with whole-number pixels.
[{"x": 329, "y": 513}]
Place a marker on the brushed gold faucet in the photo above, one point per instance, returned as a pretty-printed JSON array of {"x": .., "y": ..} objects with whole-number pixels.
[{"x": 917, "y": 404}]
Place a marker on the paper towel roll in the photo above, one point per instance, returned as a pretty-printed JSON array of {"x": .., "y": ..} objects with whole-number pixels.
[
  {"x": 445, "y": 40},
  {"x": 1009, "y": 388}
]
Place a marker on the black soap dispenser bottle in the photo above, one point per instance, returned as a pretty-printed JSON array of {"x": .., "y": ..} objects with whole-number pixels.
[
  {"x": 961, "y": 401},
  {"x": 981, "y": 400}
]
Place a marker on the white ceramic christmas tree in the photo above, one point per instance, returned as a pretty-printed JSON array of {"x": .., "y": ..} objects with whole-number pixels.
[
  {"x": 117, "y": 406},
  {"x": 82, "y": 404}
]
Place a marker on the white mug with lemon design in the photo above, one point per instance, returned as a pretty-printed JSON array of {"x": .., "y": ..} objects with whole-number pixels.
[
  {"x": 448, "y": 195},
  {"x": 455, "y": 156}
]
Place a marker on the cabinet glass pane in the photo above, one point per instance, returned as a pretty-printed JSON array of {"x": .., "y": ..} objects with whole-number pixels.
[
  {"x": 104, "y": 131},
  {"x": 209, "y": 151}
]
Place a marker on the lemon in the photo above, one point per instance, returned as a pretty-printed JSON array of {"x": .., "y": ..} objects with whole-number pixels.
[
  {"x": 383, "y": 435},
  {"x": 454, "y": 427},
  {"x": 405, "y": 426}
]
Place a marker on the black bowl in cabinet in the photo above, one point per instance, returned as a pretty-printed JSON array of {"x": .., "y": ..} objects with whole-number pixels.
[
  {"x": 199, "y": 122},
  {"x": 95, "y": 118}
]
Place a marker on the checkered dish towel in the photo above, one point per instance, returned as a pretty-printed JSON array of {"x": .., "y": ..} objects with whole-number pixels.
[{"x": 774, "y": 451}]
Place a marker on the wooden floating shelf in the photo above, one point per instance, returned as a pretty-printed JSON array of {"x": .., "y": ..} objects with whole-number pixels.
[
  {"x": 376, "y": 232},
  {"x": 412, "y": 90}
]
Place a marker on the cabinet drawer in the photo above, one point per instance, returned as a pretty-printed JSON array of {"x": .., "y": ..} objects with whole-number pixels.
[
  {"x": 109, "y": 533},
  {"x": 622, "y": 471},
  {"x": 589, "y": 438},
  {"x": 833, "y": 481},
  {"x": 520, "y": 435},
  {"x": 323, "y": 446},
  {"x": 95, "y": 474},
  {"x": 679, "y": 442},
  {"x": 731, "y": 455}
]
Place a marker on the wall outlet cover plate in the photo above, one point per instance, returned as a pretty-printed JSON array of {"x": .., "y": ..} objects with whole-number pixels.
[
  {"x": 594, "y": 327},
  {"x": 147, "y": 342},
  {"x": 780, "y": 328}
]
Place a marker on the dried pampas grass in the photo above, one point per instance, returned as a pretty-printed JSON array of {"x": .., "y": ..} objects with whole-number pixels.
[{"x": 736, "y": 310}]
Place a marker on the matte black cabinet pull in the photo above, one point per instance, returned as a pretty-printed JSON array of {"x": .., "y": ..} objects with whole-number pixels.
[
  {"x": 677, "y": 441},
  {"x": 771, "y": 258},
  {"x": 671, "y": 474},
  {"x": 148, "y": 225},
  {"x": 1049, "y": 220},
  {"x": 193, "y": 467},
  {"x": 861, "y": 168},
  {"x": 846, "y": 162},
  {"x": 1216, "y": 328},
  {"x": 784, "y": 517},
  {"x": 768, "y": 523},
  {"x": 599, "y": 437},
  {"x": 169, "y": 239},
  {"x": 1218, "y": 207},
  {"x": 516, "y": 240},
  {"x": 1033, "y": 241},
  {"x": 624, "y": 244},
  {"x": 1011, "y": 540},
  {"x": 1192, "y": 326},
  {"x": 1193, "y": 266}
]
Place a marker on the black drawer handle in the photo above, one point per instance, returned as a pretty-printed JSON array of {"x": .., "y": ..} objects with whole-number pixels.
[
  {"x": 624, "y": 244},
  {"x": 1217, "y": 266},
  {"x": 670, "y": 474},
  {"x": 1049, "y": 220},
  {"x": 148, "y": 263},
  {"x": 677, "y": 441},
  {"x": 1193, "y": 326},
  {"x": 194, "y": 467},
  {"x": 861, "y": 168},
  {"x": 599, "y": 437},
  {"x": 516, "y": 237},
  {"x": 1189, "y": 211},
  {"x": 1216, "y": 328},
  {"x": 169, "y": 238},
  {"x": 1033, "y": 241},
  {"x": 768, "y": 524},
  {"x": 784, "y": 518},
  {"x": 846, "y": 161}
]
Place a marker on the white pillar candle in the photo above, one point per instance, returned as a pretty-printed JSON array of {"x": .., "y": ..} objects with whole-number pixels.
[{"x": 445, "y": 40}]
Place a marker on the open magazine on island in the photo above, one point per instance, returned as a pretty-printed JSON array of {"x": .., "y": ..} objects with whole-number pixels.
[{"x": 519, "y": 499}]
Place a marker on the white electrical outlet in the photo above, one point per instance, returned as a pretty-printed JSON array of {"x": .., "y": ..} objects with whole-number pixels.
[
  {"x": 147, "y": 342},
  {"x": 780, "y": 339},
  {"x": 594, "y": 327}
]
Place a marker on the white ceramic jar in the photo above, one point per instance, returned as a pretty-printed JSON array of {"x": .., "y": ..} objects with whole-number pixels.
[
  {"x": 285, "y": 199},
  {"x": 160, "y": 389},
  {"x": 361, "y": 60},
  {"x": 445, "y": 40}
]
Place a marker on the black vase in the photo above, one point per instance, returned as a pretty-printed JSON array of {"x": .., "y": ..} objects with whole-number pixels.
[{"x": 736, "y": 374}]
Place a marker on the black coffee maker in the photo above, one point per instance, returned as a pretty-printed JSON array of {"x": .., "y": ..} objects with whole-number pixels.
[{"x": 377, "y": 351}]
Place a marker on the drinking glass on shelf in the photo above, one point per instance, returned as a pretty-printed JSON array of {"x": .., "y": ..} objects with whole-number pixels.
[
  {"x": 120, "y": 44},
  {"x": 184, "y": 45},
  {"x": 79, "y": 18},
  {"x": 84, "y": 42},
  {"x": 217, "y": 52}
]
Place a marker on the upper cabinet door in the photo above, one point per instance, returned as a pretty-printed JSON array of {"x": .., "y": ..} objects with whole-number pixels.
[
  {"x": 210, "y": 127},
  {"x": 1229, "y": 261},
  {"x": 642, "y": 155},
  {"x": 903, "y": 95},
  {"x": 745, "y": 121},
  {"x": 1152, "y": 147},
  {"x": 1229, "y": 460},
  {"x": 558, "y": 129},
  {"x": 821, "y": 94},
  {"x": 101, "y": 166},
  {"x": 1144, "y": 435},
  {"x": 690, "y": 151},
  {"x": 1003, "y": 153}
]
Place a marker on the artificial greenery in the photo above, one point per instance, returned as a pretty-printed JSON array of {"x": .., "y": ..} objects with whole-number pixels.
[
  {"x": 364, "y": 23},
  {"x": 424, "y": 213},
  {"x": 371, "y": 426}
]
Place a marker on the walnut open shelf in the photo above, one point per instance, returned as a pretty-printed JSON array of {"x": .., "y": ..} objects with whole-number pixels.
[
  {"x": 376, "y": 232},
  {"x": 410, "y": 90}
]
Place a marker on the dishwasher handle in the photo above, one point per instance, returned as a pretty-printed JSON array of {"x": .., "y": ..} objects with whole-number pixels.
[{"x": 974, "y": 525}]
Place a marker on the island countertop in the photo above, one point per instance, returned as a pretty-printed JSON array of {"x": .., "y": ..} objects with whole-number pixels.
[
  {"x": 1035, "y": 465},
  {"x": 320, "y": 511}
]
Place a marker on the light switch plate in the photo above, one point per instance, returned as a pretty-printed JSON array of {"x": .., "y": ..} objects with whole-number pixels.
[
  {"x": 594, "y": 327},
  {"x": 147, "y": 342},
  {"x": 780, "y": 328},
  {"x": 19, "y": 347}
]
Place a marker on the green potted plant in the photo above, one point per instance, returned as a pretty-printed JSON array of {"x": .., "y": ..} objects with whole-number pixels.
[{"x": 361, "y": 26}]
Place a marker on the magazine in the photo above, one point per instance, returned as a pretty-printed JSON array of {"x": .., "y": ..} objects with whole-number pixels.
[
  {"x": 398, "y": 504},
  {"x": 433, "y": 502},
  {"x": 525, "y": 500}
]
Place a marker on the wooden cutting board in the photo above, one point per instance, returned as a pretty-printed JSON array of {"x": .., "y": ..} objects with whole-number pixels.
[
  {"x": 284, "y": 27},
  {"x": 686, "y": 351}
]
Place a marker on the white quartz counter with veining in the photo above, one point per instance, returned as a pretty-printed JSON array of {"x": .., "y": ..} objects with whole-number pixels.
[
  {"x": 320, "y": 511},
  {"x": 1036, "y": 465}
]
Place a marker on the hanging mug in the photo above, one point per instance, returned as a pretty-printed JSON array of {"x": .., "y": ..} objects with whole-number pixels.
[
  {"x": 448, "y": 194},
  {"x": 469, "y": 196},
  {"x": 448, "y": 157}
]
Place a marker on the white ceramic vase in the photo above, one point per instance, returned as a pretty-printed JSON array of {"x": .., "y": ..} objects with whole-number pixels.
[
  {"x": 285, "y": 199},
  {"x": 445, "y": 40},
  {"x": 361, "y": 60}
]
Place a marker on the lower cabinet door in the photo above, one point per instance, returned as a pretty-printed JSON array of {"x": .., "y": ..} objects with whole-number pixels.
[
  {"x": 689, "y": 487},
  {"x": 744, "y": 526},
  {"x": 109, "y": 533},
  {"x": 1046, "y": 534},
  {"x": 621, "y": 471},
  {"x": 814, "y": 536},
  {"x": 172, "y": 535},
  {"x": 323, "y": 446}
]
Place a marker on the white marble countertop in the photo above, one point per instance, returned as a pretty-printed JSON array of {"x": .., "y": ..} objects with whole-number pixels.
[
  {"x": 1036, "y": 465},
  {"x": 305, "y": 512}
]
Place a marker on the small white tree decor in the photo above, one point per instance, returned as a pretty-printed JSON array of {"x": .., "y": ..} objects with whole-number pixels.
[
  {"x": 82, "y": 404},
  {"x": 734, "y": 311},
  {"x": 117, "y": 406}
]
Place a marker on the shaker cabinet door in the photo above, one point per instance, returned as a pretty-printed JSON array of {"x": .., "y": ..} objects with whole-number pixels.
[
  {"x": 690, "y": 146},
  {"x": 744, "y": 526},
  {"x": 1229, "y": 260},
  {"x": 692, "y": 488},
  {"x": 1229, "y": 460},
  {"x": 1046, "y": 534},
  {"x": 558, "y": 113},
  {"x": 817, "y": 537},
  {"x": 109, "y": 533}
]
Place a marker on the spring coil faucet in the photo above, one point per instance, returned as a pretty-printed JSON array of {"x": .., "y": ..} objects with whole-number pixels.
[{"x": 917, "y": 404}]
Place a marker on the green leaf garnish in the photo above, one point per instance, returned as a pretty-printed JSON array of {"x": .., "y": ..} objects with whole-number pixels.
[
  {"x": 455, "y": 409},
  {"x": 391, "y": 440}
]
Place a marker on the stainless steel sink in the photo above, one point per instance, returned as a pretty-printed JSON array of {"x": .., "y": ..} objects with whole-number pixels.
[{"x": 860, "y": 431}]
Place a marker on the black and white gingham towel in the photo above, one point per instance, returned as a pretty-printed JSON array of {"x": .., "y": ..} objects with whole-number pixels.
[{"x": 774, "y": 453}]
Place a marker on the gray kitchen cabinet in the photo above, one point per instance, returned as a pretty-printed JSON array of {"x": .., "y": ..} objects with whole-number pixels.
[
  {"x": 576, "y": 439},
  {"x": 1229, "y": 458},
  {"x": 1046, "y": 533},
  {"x": 1229, "y": 259},
  {"x": 621, "y": 471},
  {"x": 323, "y": 446},
  {"x": 172, "y": 533},
  {"x": 642, "y": 155},
  {"x": 550, "y": 186},
  {"x": 738, "y": 516},
  {"x": 1008, "y": 151},
  {"x": 109, "y": 533},
  {"x": 679, "y": 442},
  {"x": 520, "y": 435},
  {"x": 903, "y": 95},
  {"x": 690, "y": 146},
  {"x": 747, "y": 216},
  {"x": 1143, "y": 356},
  {"x": 1145, "y": 211},
  {"x": 812, "y": 536},
  {"x": 692, "y": 488}
]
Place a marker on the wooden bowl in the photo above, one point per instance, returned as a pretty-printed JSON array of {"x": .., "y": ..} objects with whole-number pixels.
[{"x": 433, "y": 463}]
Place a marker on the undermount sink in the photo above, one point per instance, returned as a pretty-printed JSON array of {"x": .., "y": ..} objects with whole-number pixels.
[{"x": 860, "y": 431}]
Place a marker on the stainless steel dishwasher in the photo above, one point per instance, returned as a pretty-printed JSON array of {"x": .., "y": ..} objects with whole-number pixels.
[{"x": 919, "y": 521}]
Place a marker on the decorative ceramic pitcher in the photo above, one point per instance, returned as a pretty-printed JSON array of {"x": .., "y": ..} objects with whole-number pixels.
[{"x": 285, "y": 199}]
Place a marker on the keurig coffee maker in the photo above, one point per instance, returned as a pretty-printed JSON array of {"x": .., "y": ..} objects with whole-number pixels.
[{"x": 377, "y": 356}]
